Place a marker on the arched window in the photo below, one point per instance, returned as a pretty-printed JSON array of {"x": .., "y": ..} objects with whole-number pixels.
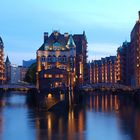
[
  {"x": 64, "y": 58},
  {"x": 49, "y": 58},
  {"x": 59, "y": 58},
  {"x": 43, "y": 58}
]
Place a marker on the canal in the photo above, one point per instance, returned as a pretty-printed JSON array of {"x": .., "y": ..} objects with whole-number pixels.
[{"x": 99, "y": 117}]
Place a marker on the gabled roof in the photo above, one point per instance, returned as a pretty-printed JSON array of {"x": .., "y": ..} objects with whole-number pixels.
[
  {"x": 55, "y": 37},
  {"x": 64, "y": 39},
  {"x": 71, "y": 41}
]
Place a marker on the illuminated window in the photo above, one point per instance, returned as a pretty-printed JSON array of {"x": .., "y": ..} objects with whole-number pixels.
[
  {"x": 49, "y": 76},
  {"x": 45, "y": 75},
  {"x": 56, "y": 84},
  {"x": 61, "y": 75},
  {"x": 51, "y": 48},
  {"x": 57, "y": 76}
]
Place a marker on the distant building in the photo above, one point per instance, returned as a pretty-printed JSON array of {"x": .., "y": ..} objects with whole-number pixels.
[
  {"x": 23, "y": 71},
  {"x": 61, "y": 57},
  {"x": 123, "y": 73},
  {"x": 103, "y": 71},
  {"x": 2, "y": 68},
  {"x": 7, "y": 70},
  {"x": 15, "y": 74},
  {"x": 135, "y": 54},
  {"x": 28, "y": 63},
  {"x": 18, "y": 74}
]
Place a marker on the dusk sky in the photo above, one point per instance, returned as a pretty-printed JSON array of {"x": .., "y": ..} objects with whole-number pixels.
[{"x": 107, "y": 23}]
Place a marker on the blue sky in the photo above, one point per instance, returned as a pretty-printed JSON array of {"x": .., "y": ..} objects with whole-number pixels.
[{"x": 107, "y": 24}]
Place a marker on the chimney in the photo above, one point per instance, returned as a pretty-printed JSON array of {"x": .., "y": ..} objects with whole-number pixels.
[
  {"x": 66, "y": 34},
  {"x": 45, "y": 36},
  {"x": 139, "y": 15}
]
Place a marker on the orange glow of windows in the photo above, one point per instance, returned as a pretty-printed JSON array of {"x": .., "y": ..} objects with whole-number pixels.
[{"x": 61, "y": 75}]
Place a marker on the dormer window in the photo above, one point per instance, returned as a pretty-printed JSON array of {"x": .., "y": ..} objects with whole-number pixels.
[
  {"x": 56, "y": 46},
  {"x": 46, "y": 47}
]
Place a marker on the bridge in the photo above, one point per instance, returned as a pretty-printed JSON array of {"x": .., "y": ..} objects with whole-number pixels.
[
  {"x": 58, "y": 100},
  {"x": 16, "y": 87},
  {"x": 105, "y": 87}
]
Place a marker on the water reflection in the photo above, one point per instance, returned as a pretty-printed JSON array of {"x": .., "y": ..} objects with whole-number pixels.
[
  {"x": 104, "y": 103},
  {"x": 91, "y": 120},
  {"x": 98, "y": 117}
]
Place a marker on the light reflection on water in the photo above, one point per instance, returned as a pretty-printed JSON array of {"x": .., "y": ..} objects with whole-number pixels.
[{"x": 101, "y": 117}]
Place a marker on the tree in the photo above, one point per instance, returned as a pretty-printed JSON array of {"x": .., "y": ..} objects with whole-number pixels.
[{"x": 30, "y": 76}]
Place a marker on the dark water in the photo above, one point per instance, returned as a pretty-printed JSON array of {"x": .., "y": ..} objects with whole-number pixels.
[{"x": 103, "y": 117}]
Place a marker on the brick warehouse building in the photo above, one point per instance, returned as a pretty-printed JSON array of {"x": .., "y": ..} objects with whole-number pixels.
[
  {"x": 103, "y": 71},
  {"x": 128, "y": 59},
  {"x": 123, "y": 61},
  {"x": 135, "y": 54},
  {"x": 62, "y": 59},
  {"x": 2, "y": 69}
]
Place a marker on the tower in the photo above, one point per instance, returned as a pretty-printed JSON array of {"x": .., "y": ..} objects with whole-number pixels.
[{"x": 7, "y": 70}]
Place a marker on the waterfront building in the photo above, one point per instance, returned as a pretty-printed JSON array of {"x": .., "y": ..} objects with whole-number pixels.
[
  {"x": 81, "y": 58},
  {"x": 2, "y": 68},
  {"x": 135, "y": 54},
  {"x": 123, "y": 73},
  {"x": 7, "y": 70},
  {"x": 103, "y": 71},
  {"x": 61, "y": 60}
]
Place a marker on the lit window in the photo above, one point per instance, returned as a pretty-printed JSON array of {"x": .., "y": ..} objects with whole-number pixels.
[
  {"x": 49, "y": 76},
  {"x": 56, "y": 84},
  {"x": 57, "y": 76},
  {"x": 61, "y": 75},
  {"x": 45, "y": 75}
]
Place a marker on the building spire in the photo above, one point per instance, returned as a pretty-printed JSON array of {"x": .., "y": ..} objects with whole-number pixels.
[
  {"x": 1, "y": 42},
  {"x": 7, "y": 60}
]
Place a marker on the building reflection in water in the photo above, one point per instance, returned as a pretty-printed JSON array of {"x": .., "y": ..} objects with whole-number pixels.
[
  {"x": 71, "y": 125},
  {"x": 104, "y": 103}
]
